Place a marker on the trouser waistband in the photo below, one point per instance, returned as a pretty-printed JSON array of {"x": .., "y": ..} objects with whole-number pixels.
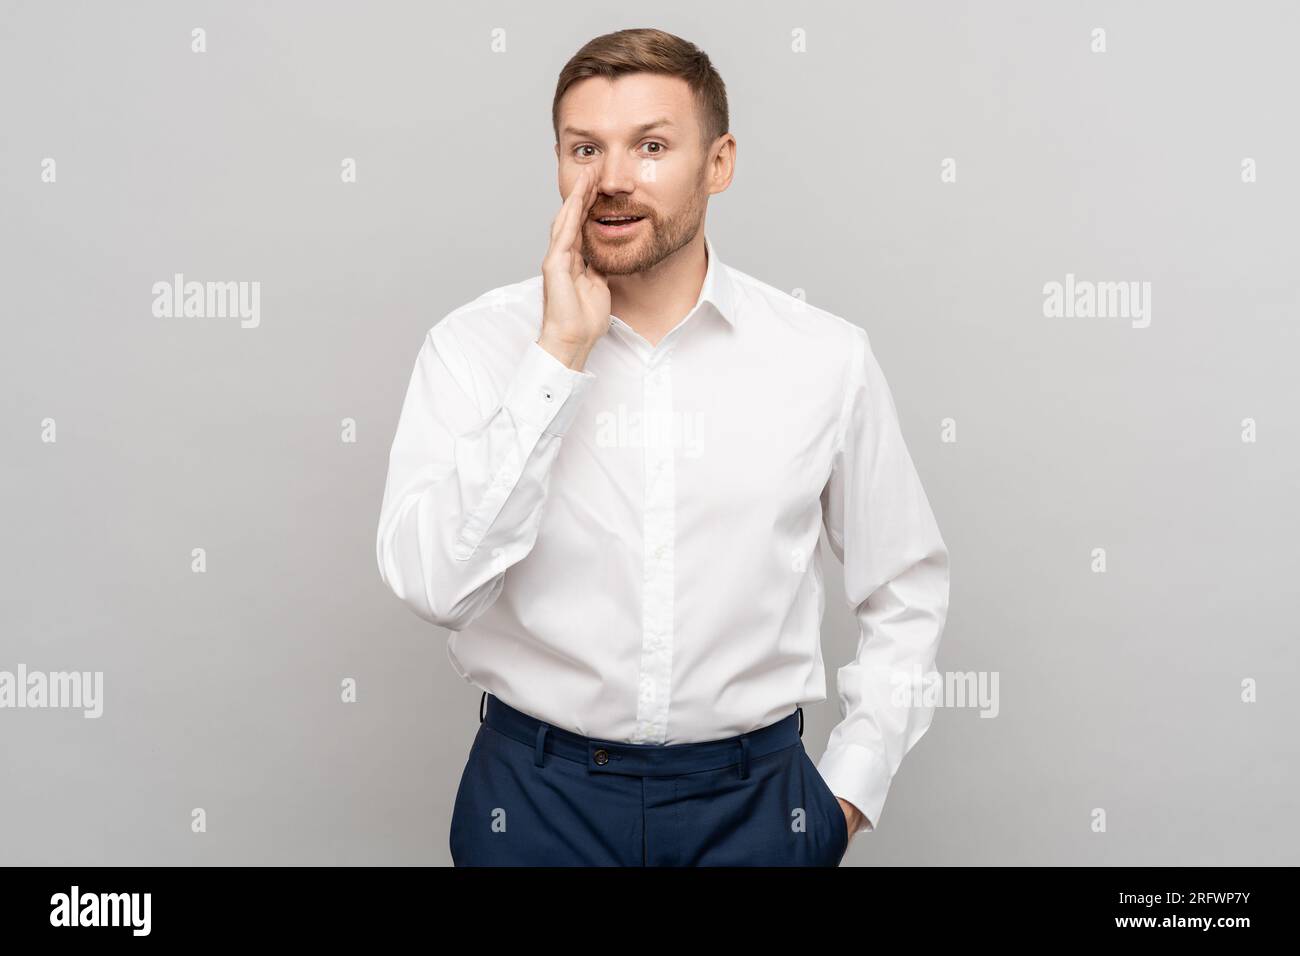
[{"x": 645, "y": 760}]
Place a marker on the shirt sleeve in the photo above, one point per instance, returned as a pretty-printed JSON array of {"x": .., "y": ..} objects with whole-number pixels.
[
  {"x": 468, "y": 474},
  {"x": 879, "y": 524}
]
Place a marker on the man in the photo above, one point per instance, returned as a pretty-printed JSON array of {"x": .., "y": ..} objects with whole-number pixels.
[{"x": 609, "y": 481}]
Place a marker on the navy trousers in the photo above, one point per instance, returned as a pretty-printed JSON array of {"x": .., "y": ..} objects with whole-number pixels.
[{"x": 536, "y": 795}]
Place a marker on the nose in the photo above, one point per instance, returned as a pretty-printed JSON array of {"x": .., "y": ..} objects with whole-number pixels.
[{"x": 617, "y": 174}]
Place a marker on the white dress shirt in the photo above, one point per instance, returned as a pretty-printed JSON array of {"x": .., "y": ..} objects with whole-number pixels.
[{"x": 630, "y": 551}]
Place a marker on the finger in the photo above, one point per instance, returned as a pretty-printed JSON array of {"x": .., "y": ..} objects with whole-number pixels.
[
  {"x": 576, "y": 263},
  {"x": 579, "y": 214},
  {"x": 559, "y": 246},
  {"x": 557, "y": 224},
  {"x": 592, "y": 279},
  {"x": 576, "y": 196}
]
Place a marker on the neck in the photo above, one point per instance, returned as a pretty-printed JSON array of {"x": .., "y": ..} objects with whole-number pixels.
[{"x": 654, "y": 301}]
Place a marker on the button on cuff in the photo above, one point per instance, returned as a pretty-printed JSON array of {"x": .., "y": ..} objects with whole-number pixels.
[{"x": 545, "y": 392}]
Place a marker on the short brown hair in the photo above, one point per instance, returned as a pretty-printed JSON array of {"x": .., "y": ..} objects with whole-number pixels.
[{"x": 650, "y": 51}]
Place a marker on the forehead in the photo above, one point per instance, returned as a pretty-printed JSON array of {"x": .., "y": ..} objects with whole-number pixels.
[{"x": 607, "y": 106}]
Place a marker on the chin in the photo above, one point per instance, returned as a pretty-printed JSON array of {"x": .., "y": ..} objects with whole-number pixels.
[{"x": 615, "y": 260}]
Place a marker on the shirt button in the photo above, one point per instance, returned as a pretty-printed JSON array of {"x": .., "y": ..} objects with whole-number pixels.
[
  {"x": 601, "y": 757},
  {"x": 659, "y": 552},
  {"x": 546, "y": 394}
]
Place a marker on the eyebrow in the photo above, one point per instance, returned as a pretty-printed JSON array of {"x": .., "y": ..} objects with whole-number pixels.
[{"x": 639, "y": 131}]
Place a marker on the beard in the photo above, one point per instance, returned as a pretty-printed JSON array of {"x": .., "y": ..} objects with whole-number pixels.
[{"x": 654, "y": 241}]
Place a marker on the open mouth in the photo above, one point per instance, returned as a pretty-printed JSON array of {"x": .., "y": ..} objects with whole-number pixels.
[{"x": 615, "y": 225}]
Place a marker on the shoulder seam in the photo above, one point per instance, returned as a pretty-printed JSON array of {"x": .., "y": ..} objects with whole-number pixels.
[
  {"x": 753, "y": 282},
  {"x": 478, "y": 300}
]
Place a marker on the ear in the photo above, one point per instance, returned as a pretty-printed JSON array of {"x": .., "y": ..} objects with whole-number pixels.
[{"x": 722, "y": 165}]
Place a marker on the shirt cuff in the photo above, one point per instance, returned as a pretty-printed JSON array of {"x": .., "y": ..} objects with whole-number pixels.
[
  {"x": 545, "y": 392},
  {"x": 859, "y": 776}
]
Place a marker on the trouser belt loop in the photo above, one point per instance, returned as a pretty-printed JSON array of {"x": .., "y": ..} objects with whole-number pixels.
[
  {"x": 800, "y": 709},
  {"x": 541, "y": 739},
  {"x": 482, "y": 701},
  {"x": 744, "y": 758}
]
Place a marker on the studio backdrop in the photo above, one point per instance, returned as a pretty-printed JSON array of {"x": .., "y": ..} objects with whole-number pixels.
[{"x": 1068, "y": 229}]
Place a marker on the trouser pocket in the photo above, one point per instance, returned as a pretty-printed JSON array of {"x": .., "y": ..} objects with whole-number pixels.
[
  {"x": 833, "y": 819},
  {"x": 456, "y": 835}
]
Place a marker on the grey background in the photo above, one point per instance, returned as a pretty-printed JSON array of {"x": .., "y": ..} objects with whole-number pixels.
[{"x": 1117, "y": 690}]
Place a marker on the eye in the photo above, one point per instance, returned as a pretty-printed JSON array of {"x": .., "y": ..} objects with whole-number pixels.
[
  {"x": 583, "y": 146},
  {"x": 661, "y": 146}
]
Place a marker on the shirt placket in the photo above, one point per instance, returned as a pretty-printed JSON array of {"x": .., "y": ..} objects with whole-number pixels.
[{"x": 659, "y": 533}]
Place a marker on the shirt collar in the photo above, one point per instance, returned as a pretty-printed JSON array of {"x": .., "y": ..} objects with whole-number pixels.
[{"x": 718, "y": 288}]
